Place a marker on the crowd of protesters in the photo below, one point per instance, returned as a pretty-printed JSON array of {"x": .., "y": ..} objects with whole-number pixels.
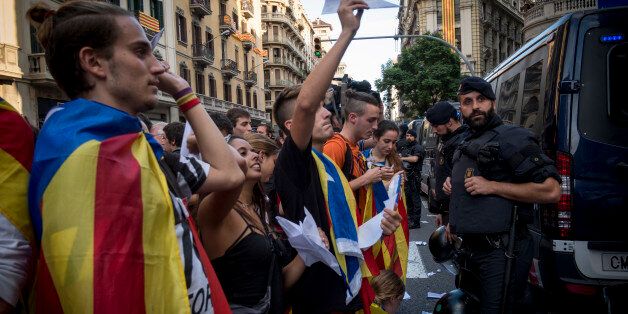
[{"x": 107, "y": 211}]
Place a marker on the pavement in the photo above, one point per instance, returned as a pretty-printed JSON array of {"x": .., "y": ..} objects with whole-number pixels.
[{"x": 424, "y": 275}]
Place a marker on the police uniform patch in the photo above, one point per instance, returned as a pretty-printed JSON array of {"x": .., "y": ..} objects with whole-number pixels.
[
  {"x": 441, "y": 161},
  {"x": 468, "y": 173}
]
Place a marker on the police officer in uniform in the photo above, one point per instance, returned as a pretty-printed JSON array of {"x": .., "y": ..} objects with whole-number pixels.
[
  {"x": 412, "y": 155},
  {"x": 496, "y": 168},
  {"x": 446, "y": 124}
]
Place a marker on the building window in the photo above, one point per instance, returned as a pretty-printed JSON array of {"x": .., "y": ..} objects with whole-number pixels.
[
  {"x": 254, "y": 100},
  {"x": 223, "y": 8},
  {"x": 157, "y": 11},
  {"x": 277, "y": 75},
  {"x": 236, "y": 21},
  {"x": 212, "y": 86},
  {"x": 237, "y": 57},
  {"x": 239, "y": 95},
  {"x": 200, "y": 83},
  {"x": 226, "y": 90},
  {"x": 196, "y": 33},
  {"x": 223, "y": 45},
  {"x": 248, "y": 98},
  {"x": 135, "y": 5},
  {"x": 264, "y": 9},
  {"x": 182, "y": 33},
  {"x": 209, "y": 41},
  {"x": 184, "y": 72},
  {"x": 35, "y": 46}
]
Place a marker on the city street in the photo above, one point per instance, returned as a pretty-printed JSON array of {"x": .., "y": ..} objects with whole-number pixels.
[{"x": 424, "y": 275}]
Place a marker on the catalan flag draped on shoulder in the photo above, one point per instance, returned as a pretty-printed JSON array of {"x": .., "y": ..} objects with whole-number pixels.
[
  {"x": 113, "y": 238},
  {"x": 16, "y": 157},
  {"x": 342, "y": 221}
]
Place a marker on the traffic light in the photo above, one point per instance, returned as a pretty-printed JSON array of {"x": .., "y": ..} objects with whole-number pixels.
[{"x": 318, "y": 52}]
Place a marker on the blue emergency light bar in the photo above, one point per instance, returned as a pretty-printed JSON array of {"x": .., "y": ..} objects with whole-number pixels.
[{"x": 611, "y": 38}]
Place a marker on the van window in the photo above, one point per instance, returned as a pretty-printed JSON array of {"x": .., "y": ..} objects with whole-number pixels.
[
  {"x": 617, "y": 69},
  {"x": 602, "y": 105},
  {"x": 531, "y": 95},
  {"x": 507, "y": 99}
]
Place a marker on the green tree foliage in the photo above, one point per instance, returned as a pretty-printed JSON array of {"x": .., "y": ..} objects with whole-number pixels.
[{"x": 425, "y": 73}]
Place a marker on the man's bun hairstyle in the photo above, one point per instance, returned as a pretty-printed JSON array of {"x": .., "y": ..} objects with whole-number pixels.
[{"x": 64, "y": 32}]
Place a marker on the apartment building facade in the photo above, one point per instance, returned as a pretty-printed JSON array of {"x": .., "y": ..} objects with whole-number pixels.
[
  {"x": 486, "y": 31},
  {"x": 288, "y": 37},
  {"x": 219, "y": 52},
  {"x": 26, "y": 83}
]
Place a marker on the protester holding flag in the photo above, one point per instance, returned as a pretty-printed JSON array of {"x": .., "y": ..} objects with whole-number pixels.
[
  {"x": 16, "y": 233},
  {"x": 392, "y": 252},
  {"x": 113, "y": 237}
]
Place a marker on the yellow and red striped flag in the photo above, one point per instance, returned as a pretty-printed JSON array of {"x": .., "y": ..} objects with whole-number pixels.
[{"x": 105, "y": 219}]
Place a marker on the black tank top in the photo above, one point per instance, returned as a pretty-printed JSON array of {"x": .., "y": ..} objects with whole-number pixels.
[{"x": 244, "y": 268}]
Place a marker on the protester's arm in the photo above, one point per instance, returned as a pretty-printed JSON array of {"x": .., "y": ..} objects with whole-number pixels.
[
  {"x": 293, "y": 271},
  {"x": 317, "y": 83},
  {"x": 225, "y": 172},
  {"x": 16, "y": 255}
]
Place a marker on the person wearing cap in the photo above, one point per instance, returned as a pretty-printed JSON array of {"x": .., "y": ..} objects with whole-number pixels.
[
  {"x": 446, "y": 124},
  {"x": 412, "y": 155},
  {"x": 496, "y": 169}
]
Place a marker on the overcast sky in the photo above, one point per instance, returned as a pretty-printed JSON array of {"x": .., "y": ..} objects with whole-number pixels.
[{"x": 364, "y": 57}]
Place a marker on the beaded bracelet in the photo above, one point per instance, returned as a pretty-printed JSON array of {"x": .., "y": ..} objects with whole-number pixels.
[{"x": 186, "y": 99}]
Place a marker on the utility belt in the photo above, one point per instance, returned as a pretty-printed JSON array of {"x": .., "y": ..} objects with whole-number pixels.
[{"x": 491, "y": 241}]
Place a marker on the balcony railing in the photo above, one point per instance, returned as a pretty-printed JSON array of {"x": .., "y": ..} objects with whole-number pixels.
[
  {"x": 9, "y": 66},
  {"x": 227, "y": 24},
  {"x": 277, "y": 17},
  {"x": 38, "y": 70},
  {"x": 543, "y": 13},
  {"x": 248, "y": 41},
  {"x": 248, "y": 10},
  {"x": 200, "y": 8},
  {"x": 229, "y": 68},
  {"x": 250, "y": 78},
  {"x": 218, "y": 105},
  {"x": 202, "y": 55}
]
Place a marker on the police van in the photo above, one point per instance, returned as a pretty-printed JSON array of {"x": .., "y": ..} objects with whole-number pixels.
[{"x": 568, "y": 85}]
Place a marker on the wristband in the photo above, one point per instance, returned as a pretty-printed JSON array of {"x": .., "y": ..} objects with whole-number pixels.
[{"x": 186, "y": 99}]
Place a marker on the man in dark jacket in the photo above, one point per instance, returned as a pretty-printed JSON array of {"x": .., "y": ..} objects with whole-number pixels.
[{"x": 412, "y": 155}]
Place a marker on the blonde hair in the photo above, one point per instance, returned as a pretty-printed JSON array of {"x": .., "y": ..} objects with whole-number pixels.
[
  {"x": 387, "y": 286},
  {"x": 262, "y": 143}
]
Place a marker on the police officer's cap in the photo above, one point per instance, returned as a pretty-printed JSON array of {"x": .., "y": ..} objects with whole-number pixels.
[
  {"x": 412, "y": 132},
  {"x": 476, "y": 84},
  {"x": 440, "y": 113}
]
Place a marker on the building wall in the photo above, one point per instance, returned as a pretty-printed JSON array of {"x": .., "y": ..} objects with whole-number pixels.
[
  {"x": 204, "y": 56},
  {"x": 539, "y": 15},
  {"x": 26, "y": 83},
  {"x": 288, "y": 37},
  {"x": 487, "y": 31}
]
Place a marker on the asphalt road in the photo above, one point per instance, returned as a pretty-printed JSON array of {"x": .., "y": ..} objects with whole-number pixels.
[{"x": 424, "y": 275}]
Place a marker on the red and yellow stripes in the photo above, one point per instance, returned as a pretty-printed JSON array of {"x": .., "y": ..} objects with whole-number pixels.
[
  {"x": 449, "y": 22},
  {"x": 110, "y": 246},
  {"x": 16, "y": 157}
]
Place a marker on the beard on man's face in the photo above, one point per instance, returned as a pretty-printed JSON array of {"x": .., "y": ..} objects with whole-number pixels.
[{"x": 478, "y": 118}]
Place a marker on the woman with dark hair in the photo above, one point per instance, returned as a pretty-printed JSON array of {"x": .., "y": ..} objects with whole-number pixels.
[
  {"x": 252, "y": 265},
  {"x": 384, "y": 153}
]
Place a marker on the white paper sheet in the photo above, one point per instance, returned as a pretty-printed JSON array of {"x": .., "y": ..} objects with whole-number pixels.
[
  {"x": 331, "y": 6},
  {"x": 434, "y": 295},
  {"x": 305, "y": 238},
  {"x": 371, "y": 231}
]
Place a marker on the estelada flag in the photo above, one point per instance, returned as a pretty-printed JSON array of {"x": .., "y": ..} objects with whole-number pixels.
[
  {"x": 105, "y": 220},
  {"x": 16, "y": 157}
]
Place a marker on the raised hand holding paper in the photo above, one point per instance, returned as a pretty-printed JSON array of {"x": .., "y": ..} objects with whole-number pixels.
[
  {"x": 371, "y": 231},
  {"x": 332, "y": 5}
]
